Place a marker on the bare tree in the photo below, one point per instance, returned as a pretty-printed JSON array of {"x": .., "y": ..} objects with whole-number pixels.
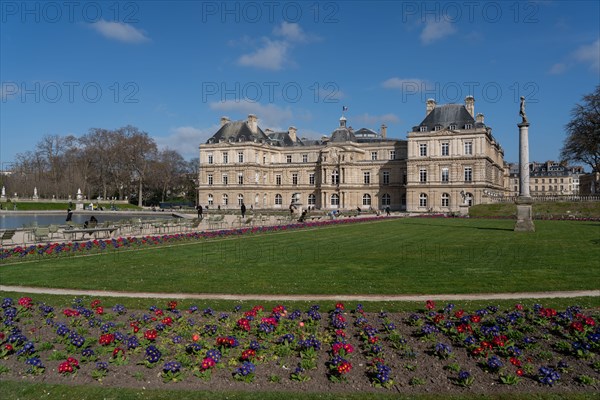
[
  {"x": 582, "y": 143},
  {"x": 140, "y": 150}
]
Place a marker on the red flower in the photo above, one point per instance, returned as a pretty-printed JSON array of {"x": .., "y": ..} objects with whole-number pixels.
[
  {"x": 99, "y": 310},
  {"x": 243, "y": 324},
  {"x": 95, "y": 303},
  {"x": 339, "y": 306},
  {"x": 106, "y": 339},
  {"x": 475, "y": 318},
  {"x": 515, "y": 361},
  {"x": 576, "y": 325},
  {"x": 438, "y": 318},
  {"x": 167, "y": 321},
  {"x": 208, "y": 363},
  {"x": 151, "y": 334},
  {"x": 459, "y": 314},
  {"x": 519, "y": 307},
  {"x": 429, "y": 304},
  {"x": 116, "y": 352},
  {"x": 590, "y": 321},
  {"x": 26, "y": 302},
  {"x": 373, "y": 339},
  {"x": 520, "y": 372},
  {"x": 172, "y": 305},
  {"x": 344, "y": 368},
  {"x": 248, "y": 354},
  {"x": 158, "y": 313},
  {"x": 340, "y": 332}
]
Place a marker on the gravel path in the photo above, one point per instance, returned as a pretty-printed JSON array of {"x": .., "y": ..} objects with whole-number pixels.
[{"x": 315, "y": 297}]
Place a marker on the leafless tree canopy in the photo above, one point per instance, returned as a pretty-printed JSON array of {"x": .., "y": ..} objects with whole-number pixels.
[
  {"x": 582, "y": 143},
  {"x": 103, "y": 164}
]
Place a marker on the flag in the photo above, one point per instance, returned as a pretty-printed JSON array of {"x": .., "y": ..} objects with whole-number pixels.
[{"x": 344, "y": 108}]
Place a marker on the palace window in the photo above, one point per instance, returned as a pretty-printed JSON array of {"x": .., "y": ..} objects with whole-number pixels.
[
  {"x": 335, "y": 177},
  {"x": 423, "y": 200},
  {"x": 468, "y": 148},
  {"x": 366, "y": 178},
  {"x": 312, "y": 199},
  {"x": 373, "y": 156},
  {"x": 225, "y": 179},
  {"x": 392, "y": 154},
  {"x": 445, "y": 200},
  {"x": 445, "y": 175},
  {"x": 241, "y": 157},
  {"x": 225, "y": 157},
  {"x": 210, "y": 158},
  {"x": 335, "y": 199},
  {"x": 423, "y": 175},
  {"x": 366, "y": 199},
  {"x": 294, "y": 179},
  {"x": 211, "y": 200},
  {"x": 468, "y": 174},
  {"x": 386, "y": 200},
  {"x": 278, "y": 179},
  {"x": 386, "y": 177},
  {"x": 210, "y": 179},
  {"x": 278, "y": 200},
  {"x": 423, "y": 129},
  {"x": 311, "y": 179},
  {"x": 240, "y": 178},
  {"x": 225, "y": 199},
  {"x": 240, "y": 199},
  {"x": 445, "y": 149},
  {"x": 423, "y": 149},
  {"x": 304, "y": 158},
  {"x": 288, "y": 158}
]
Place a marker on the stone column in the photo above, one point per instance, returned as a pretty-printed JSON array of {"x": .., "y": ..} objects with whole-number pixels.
[{"x": 524, "y": 201}]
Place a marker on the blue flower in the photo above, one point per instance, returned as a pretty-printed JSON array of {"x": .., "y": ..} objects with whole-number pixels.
[{"x": 172, "y": 366}]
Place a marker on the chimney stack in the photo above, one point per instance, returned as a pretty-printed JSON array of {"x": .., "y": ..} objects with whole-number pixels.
[
  {"x": 479, "y": 118},
  {"x": 430, "y": 106},
  {"x": 224, "y": 120},
  {"x": 253, "y": 123},
  {"x": 470, "y": 105},
  {"x": 383, "y": 131},
  {"x": 292, "y": 132}
]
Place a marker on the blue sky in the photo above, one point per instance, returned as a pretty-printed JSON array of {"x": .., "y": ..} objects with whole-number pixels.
[{"x": 174, "y": 68}]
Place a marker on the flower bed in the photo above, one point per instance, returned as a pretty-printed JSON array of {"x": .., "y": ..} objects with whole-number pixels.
[
  {"x": 432, "y": 350},
  {"x": 58, "y": 249}
]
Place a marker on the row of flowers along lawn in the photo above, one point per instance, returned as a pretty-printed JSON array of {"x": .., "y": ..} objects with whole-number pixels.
[
  {"x": 130, "y": 242},
  {"x": 533, "y": 346}
]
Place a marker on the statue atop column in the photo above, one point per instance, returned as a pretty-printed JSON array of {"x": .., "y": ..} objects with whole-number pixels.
[{"x": 522, "y": 110}]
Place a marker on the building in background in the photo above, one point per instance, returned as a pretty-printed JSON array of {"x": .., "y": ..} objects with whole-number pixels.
[
  {"x": 548, "y": 178},
  {"x": 449, "y": 159}
]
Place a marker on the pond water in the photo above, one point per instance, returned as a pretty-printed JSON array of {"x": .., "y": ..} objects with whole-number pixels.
[{"x": 8, "y": 221}]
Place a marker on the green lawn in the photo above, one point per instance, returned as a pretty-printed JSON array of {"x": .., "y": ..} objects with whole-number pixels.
[
  {"x": 407, "y": 256},
  {"x": 581, "y": 209}
]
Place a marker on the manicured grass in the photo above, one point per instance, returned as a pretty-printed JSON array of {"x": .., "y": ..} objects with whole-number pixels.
[
  {"x": 26, "y": 390},
  {"x": 407, "y": 256},
  {"x": 589, "y": 209}
]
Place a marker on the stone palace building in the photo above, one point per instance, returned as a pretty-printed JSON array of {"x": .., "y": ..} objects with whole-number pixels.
[{"x": 449, "y": 159}]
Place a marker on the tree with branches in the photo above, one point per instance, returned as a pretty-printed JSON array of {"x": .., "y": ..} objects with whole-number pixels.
[{"x": 582, "y": 143}]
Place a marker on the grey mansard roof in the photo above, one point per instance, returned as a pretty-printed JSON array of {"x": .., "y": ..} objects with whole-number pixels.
[
  {"x": 237, "y": 131},
  {"x": 446, "y": 115},
  {"x": 343, "y": 134},
  {"x": 283, "y": 139}
]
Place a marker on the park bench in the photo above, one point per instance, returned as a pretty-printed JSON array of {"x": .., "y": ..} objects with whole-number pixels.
[
  {"x": 72, "y": 233},
  {"x": 7, "y": 235}
]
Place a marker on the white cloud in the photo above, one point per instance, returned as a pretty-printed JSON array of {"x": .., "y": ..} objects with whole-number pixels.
[
  {"x": 119, "y": 31},
  {"x": 405, "y": 84},
  {"x": 589, "y": 54},
  {"x": 436, "y": 30},
  {"x": 293, "y": 32},
  {"x": 558, "y": 68},
  {"x": 274, "y": 54},
  {"x": 271, "y": 56},
  {"x": 269, "y": 115},
  {"x": 376, "y": 120},
  {"x": 186, "y": 139}
]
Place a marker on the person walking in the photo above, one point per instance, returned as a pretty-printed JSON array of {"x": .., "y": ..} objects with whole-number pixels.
[
  {"x": 69, "y": 215},
  {"x": 199, "y": 208},
  {"x": 243, "y": 209}
]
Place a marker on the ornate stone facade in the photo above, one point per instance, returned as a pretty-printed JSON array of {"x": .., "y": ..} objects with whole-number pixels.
[{"x": 447, "y": 160}]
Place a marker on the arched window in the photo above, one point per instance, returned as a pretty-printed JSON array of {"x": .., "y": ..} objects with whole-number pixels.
[
  {"x": 335, "y": 200},
  {"x": 445, "y": 200},
  {"x": 211, "y": 200},
  {"x": 423, "y": 200},
  {"x": 278, "y": 200},
  {"x": 225, "y": 199},
  {"x": 312, "y": 199},
  {"x": 366, "y": 199},
  {"x": 240, "y": 199},
  {"x": 386, "y": 200}
]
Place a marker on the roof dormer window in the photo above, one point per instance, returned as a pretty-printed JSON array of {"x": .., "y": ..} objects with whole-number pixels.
[
  {"x": 452, "y": 127},
  {"x": 468, "y": 126},
  {"x": 423, "y": 129},
  {"x": 438, "y": 128}
]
